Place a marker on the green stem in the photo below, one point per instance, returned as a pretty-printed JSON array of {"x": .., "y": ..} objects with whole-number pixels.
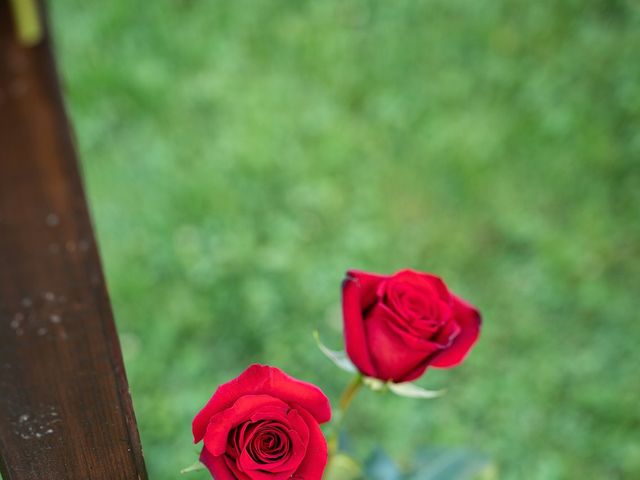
[
  {"x": 349, "y": 393},
  {"x": 346, "y": 398}
]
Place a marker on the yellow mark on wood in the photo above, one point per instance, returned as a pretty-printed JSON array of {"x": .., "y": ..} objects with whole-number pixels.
[{"x": 26, "y": 16}]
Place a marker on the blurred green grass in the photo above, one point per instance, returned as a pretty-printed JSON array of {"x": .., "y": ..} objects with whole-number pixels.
[{"x": 241, "y": 155}]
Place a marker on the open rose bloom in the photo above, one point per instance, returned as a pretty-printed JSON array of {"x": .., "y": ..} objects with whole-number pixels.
[
  {"x": 396, "y": 326},
  {"x": 264, "y": 425}
]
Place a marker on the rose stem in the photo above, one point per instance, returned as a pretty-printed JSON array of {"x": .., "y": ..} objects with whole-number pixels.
[
  {"x": 346, "y": 398},
  {"x": 349, "y": 393}
]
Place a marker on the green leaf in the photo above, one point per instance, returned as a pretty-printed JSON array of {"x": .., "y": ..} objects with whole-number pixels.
[
  {"x": 442, "y": 464},
  {"x": 193, "y": 468},
  {"x": 413, "y": 391},
  {"x": 342, "y": 467},
  {"x": 339, "y": 358},
  {"x": 380, "y": 466}
]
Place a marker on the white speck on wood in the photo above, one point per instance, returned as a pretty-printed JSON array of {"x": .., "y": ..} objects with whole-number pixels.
[{"x": 52, "y": 220}]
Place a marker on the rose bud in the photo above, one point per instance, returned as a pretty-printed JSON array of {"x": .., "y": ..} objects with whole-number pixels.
[
  {"x": 264, "y": 425},
  {"x": 396, "y": 326}
]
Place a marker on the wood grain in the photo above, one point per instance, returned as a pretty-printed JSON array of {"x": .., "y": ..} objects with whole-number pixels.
[{"x": 65, "y": 409}]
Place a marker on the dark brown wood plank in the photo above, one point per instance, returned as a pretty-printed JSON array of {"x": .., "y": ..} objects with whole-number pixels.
[{"x": 65, "y": 410}]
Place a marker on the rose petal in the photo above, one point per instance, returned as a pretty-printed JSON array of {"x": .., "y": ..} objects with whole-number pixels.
[
  {"x": 447, "y": 334},
  {"x": 218, "y": 467},
  {"x": 354, "y": 332},
  {"x": 315, "y": 461},
  {"x": 395, "y": 353},
  {"x": 247, "y": 408},
  {"x": 414, "y": 374},
  {"x": 368, "y": 283},
  {"x": 469, "y": 320},
  {"x": 276, "y": 470},
  {"x": 433, "y": 280},
  {"x": 262, "y": 379},
  {"x": 399, "y": 327},
  {"x": 416, "y": 298},
  {"x": 232, "y": 465},
  {"x": 298, "y": 432}
]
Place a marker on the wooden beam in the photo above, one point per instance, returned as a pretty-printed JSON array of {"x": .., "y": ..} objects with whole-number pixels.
[{"x": 65, "y": 410}]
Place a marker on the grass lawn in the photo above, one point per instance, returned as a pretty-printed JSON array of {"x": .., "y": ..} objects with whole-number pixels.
[{"x": 241, "y": 155}]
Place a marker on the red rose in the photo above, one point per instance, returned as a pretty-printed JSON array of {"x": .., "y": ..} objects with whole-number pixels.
[
  {"x": 396, "y": 326},
  {"x": 264, "y": 425}
]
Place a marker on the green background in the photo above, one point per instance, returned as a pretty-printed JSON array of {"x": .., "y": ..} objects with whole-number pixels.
[{"x": 241, "y": 155}]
